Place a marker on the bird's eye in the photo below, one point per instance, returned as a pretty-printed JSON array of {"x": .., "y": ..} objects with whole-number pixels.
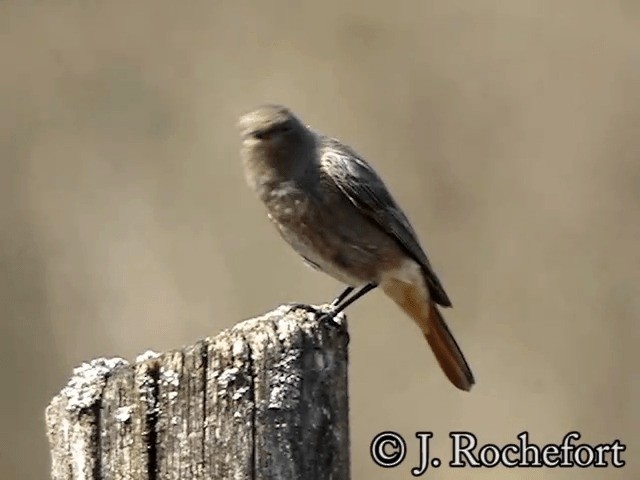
[
  {"x": 284, "y": 128},
  {"x": 273, "y": 131},
  {"x": 261, "y": 135}
]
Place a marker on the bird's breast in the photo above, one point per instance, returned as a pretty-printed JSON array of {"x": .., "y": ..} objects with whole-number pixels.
[
  {"x": 328, "y": 233},
  {"x": 304, "y": 223}
]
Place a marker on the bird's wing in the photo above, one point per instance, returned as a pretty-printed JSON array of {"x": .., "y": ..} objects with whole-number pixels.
[{"x": 364, "y": 188}]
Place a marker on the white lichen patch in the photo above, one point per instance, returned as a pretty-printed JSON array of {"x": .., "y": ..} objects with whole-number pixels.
[
  {"x": 227, "y": 376},
  {"x": 239, "y": 346},
  {"x": 123, "y": 414},
  {"x": 86, "y": 384},
  {"x": 148, "y": 355},
  {"x": 285, "y": 383},
  {"x": 79, "y": 449},
  {"x": 146, "y": 387},
  {"x": 239, "y": 393},
  {"x": 286, "y": 326},
  {"x": 169, "y": 376}
]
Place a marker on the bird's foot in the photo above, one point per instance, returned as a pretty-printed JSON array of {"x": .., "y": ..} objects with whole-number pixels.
[
  {"x": 329, "y": 317},
  {"x": 328, "y": 314}
]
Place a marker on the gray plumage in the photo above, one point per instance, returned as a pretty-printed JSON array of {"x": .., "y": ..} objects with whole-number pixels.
[
  {"x": 328, "y": 203},
  {"x": 307, "y": 169},
  {"x": 366, "y": 190}
]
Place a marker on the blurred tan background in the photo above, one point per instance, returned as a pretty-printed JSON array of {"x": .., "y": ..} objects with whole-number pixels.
[{"x": 509, "y": 132}]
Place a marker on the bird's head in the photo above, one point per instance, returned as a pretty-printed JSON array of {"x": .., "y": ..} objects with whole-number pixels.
[
  {"x": 271, "y": 127},
  {"x": 274, "y": 141}
]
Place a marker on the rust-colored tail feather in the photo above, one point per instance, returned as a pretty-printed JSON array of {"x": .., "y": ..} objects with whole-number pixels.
[
  {"x": 447, "y": 351},
  {"x": 426, "y": 314}
]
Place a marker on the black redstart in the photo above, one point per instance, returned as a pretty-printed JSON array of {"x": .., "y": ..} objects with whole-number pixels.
[{"x": 333, "y": 209}]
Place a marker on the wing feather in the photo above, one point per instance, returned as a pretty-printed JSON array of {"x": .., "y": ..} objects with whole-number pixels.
[{"x": 364, "y": 188}]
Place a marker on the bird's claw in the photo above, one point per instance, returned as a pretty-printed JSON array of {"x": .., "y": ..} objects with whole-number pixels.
[{"x": 329, "y": 317}]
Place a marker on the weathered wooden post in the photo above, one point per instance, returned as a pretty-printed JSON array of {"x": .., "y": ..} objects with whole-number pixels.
[{"x": 266, "y": 399}]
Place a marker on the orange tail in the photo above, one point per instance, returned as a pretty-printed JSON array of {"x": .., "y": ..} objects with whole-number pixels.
[
  {"x": 428, "y": 317},
  {"x": 447, "y": 351}
]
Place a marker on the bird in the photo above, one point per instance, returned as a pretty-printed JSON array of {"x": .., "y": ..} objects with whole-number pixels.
[{"x": 329, "y": 204}]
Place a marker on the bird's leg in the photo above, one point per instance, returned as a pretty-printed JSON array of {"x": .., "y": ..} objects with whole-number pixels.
[
  {"x": 360, "y": 293},
  {"x": 337, "y": 307},
  {"x": 344, "y": 294}
]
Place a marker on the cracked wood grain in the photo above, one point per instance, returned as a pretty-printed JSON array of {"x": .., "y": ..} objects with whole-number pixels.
[{"x": 265, "y": 399}]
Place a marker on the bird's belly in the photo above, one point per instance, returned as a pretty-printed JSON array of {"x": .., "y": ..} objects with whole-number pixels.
[
  {"x": 333, "y": 237},
  {"x": 332, "y": 258}
]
